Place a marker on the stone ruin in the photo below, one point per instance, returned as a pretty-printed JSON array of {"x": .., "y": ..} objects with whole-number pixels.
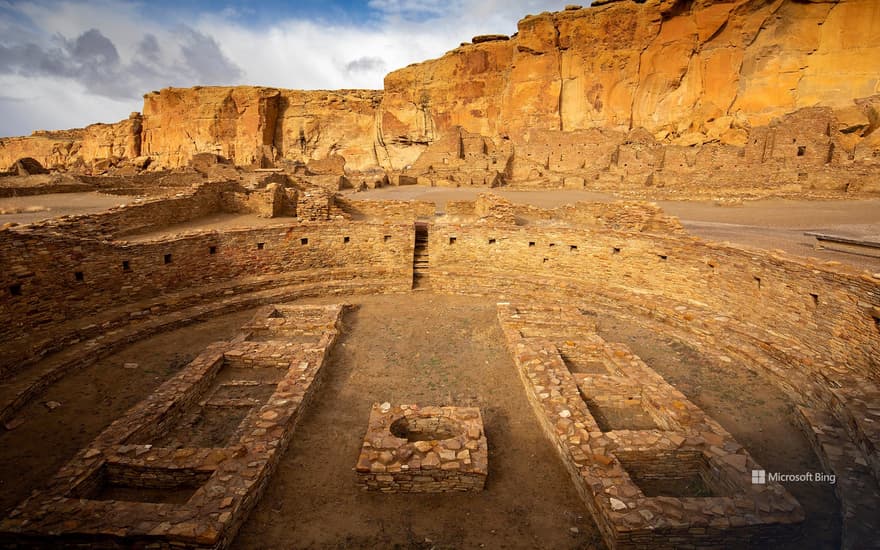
[
  {"x": 184, "y": 468},
  {"x": 412, "y": 449},
  {"x": 585, "y": 98},
  {"x": 653, "y": 469}
]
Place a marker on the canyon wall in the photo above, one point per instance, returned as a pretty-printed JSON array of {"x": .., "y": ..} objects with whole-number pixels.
[{"x": 663, "y": 93}]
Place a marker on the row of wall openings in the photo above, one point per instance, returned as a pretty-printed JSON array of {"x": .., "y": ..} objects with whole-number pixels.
[{"x": 571, "y": 247}]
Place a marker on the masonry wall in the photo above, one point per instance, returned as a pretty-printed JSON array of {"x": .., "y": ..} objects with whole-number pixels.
[
  {"x": 831, "y": 314},
  {"x": 40, "y": 286}
]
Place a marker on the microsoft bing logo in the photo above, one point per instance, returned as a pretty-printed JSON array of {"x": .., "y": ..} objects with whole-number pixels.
[{"x": 759, "y": 477}]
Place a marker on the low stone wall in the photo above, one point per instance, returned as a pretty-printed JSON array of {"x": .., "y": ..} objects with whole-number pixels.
[
  {"x": 391, "y": 211},
  {"x": 828, "y": 311},
  {"x": 616, "y": 469},
  {"x": 811, "y": 328},
  {"x": 412, "y": 449},
  {"x": 208, "y": 486}
]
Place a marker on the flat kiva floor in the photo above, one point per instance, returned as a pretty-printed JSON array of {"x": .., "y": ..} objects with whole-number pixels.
[{"x": 435, "y": 350}]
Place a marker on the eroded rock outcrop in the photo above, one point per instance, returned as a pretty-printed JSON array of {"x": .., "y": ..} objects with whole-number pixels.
[
  {"x": 77, "y": 148},
  {"x": 675, "y": 68},
  {"x": 659, "y": 94}
]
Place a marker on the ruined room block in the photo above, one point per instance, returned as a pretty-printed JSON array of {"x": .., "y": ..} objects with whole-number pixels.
[{"x": 412, "y": 449}]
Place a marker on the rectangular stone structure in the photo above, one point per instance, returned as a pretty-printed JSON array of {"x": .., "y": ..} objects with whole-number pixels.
[
  {"x": 653, "y": 469},
  {"x": 183, "y": 468},
  {"x": 412, "y": 449}
]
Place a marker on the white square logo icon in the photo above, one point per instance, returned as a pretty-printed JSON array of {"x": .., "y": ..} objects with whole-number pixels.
[{"x": 759, "y": 477}]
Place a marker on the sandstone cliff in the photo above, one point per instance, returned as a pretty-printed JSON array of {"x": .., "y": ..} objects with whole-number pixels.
[
  {"x": 707, "y": 67},
  {"x": 658, "y": 93},
  {"x": 76, "y": 148}
]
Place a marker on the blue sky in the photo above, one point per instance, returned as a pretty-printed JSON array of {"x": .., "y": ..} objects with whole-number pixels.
[{"x": 69, "y": 63}]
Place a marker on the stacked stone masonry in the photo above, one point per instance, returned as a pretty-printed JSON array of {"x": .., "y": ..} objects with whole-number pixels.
[
  {"x": 71, "y": 268},
  {"x": 183, "y": 468},
  {"x": 413, "y": 449},
  {"x": 624, "y": 434}
]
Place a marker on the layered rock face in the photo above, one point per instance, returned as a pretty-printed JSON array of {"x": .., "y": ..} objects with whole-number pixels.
[
  {"x": 661, "y": 93},
  {"x": 674, "y": 68},
  {"x": 260, "y": 126},
  {"x": 76, "y": 148}
]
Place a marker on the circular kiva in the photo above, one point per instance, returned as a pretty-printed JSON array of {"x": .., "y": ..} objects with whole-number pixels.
[{"x": 78, "y": 288}]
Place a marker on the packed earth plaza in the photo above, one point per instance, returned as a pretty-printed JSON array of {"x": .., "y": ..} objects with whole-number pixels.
[{"x": 610, "y": 282}]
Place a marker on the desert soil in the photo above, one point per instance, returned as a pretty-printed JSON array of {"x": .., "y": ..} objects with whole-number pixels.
[{"x": 34, "y": 208}]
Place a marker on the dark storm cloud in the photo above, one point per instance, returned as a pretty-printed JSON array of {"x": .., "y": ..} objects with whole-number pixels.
[
  {"x": 365, "y": 64},
  {"x": 148, "y": 48},
  {"x": 203, "y": 56},
  {"x": 94, "y": 61}
]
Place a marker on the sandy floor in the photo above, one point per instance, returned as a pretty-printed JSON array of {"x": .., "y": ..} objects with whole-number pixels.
[{"x": 435, "y": 350}]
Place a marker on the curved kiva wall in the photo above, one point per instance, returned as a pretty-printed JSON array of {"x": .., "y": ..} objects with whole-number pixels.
[
  {"x": 50, "y": 278},
  {"x": 815, "y": 329}
]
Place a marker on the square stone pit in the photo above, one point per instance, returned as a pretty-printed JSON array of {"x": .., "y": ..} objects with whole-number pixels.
[{"x": 413, "y": 449}]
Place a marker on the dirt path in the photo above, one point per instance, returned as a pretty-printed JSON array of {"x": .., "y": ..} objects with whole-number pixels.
[{"x": 425, "y": 349}]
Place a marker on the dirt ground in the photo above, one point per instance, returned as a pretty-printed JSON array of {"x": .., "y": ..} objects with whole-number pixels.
[
  {"x": 54, "y": 205},
  {"x": 431, "y": 350}
]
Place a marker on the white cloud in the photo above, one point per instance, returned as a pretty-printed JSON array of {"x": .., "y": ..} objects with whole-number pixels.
[{"x": 218, "y": 48}]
